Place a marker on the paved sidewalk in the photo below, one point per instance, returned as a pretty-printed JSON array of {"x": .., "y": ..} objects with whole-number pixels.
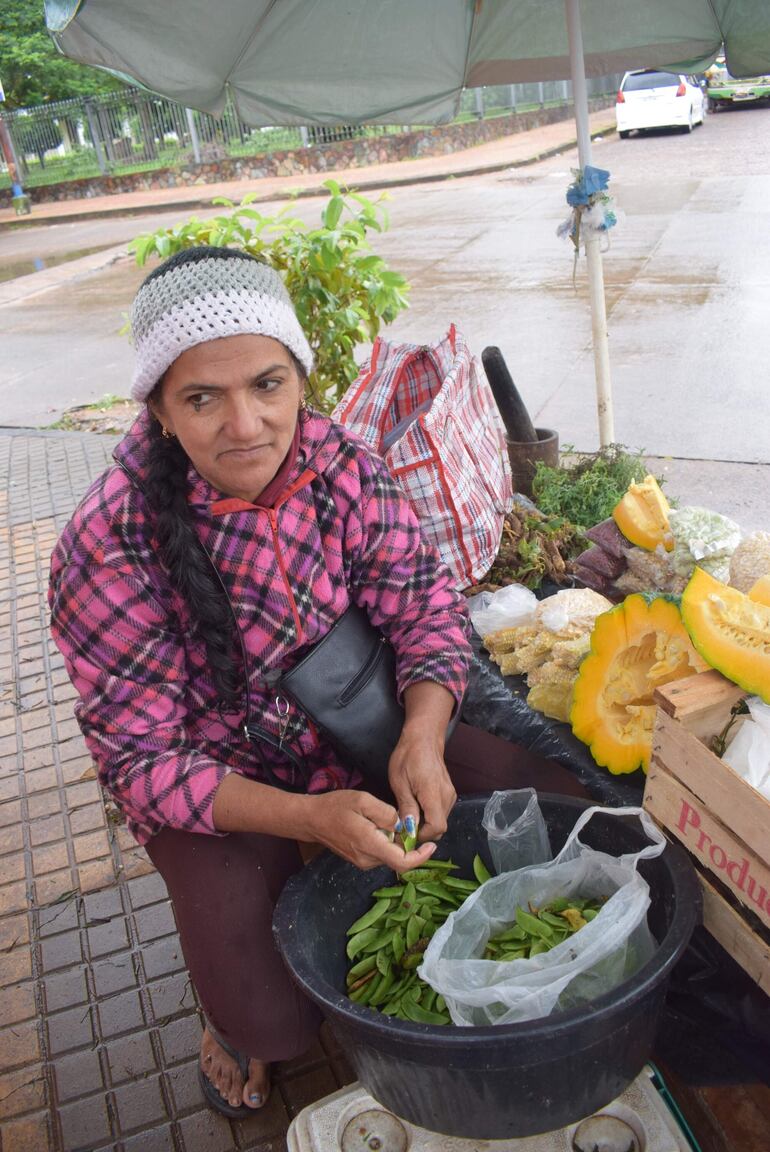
[
  {"x": 99, "y": 1024},
  {"x": 508, "y": 152},
  {"x": 100, "y": 1028}
]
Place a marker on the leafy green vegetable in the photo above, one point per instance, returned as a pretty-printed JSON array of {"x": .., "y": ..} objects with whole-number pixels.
[
  {"x": 533, "y": 548},
  {"x": 586, "y": 488}
]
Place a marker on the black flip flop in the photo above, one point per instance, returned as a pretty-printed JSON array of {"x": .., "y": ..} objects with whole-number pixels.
[{"x": 211, "y": 1094}]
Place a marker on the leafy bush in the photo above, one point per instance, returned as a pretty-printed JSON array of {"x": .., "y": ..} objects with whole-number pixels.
[{"x": 342, "y": 291}]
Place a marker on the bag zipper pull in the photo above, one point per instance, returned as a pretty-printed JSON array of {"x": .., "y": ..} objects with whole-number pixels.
[{"x": 282, "y": 708}]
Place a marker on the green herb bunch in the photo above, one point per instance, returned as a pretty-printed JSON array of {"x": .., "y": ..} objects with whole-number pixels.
[{"x": 587, "y": 487}]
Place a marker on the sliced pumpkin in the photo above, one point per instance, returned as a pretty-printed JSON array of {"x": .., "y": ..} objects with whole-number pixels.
[
  {"x": 636, "y": 647},
  {"x": 760, "y": 592},
  {"x": 730, "y": 630},
  {"x": 642, "y": 515}
]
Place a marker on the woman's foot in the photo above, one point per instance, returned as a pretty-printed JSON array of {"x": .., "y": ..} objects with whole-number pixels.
[{"x": 223, "y": 1072}]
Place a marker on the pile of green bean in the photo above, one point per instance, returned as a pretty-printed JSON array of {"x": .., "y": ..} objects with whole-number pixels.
[
  {"x": 537, "y": 930},
  {"x": 386, "y": 943}
]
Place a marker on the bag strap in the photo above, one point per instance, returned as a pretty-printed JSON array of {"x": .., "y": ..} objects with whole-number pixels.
[{"x": 574, "y": 844}]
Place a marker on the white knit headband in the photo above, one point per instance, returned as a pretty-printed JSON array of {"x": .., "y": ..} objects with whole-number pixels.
[{"x": 206, "y": 299}]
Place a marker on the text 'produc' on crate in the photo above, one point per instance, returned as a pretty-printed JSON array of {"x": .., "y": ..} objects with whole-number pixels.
[{"x": 721, "y": 820}]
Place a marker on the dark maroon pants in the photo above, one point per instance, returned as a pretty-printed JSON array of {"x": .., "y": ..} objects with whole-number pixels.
[{"x": 224, "y": 888}]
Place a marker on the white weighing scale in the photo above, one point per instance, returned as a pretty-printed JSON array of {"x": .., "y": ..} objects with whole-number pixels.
[{"x": 352, "y": 1121}]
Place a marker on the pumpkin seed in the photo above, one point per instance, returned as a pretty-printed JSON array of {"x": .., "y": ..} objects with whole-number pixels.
[
  {"x": 389, "y": 893},
  {"x": 362, "y": 967},
  {"x": 401, "y": 915},
  {"x": 383, "y": 962},
  {"x": 360, "y": 941},
  {"x": 532, "y": 926},
  {"x": 360, "y": 990},
  {"x": 432, "y": 888},
  {"x": 480, "y": 870},
  {"x": 382, "y": 992},
  {"x": 410, "y": 895},
  {"x": 549, "y": 918},
  {"x": 419, "y": 1015},
  {"x": 382, "y": 939},
  {"x": 512, "y": 933},
  {"x": 369, "y": 918},
  {"x": 409, "y": 840},
  {"x": 414, "y": 930}
]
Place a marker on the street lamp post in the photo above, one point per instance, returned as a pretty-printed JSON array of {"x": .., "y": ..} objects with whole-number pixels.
[{"x": 19, "y": 198}]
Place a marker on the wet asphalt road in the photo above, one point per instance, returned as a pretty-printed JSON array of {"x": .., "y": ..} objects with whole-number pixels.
[{"x": 687, "y": 275}]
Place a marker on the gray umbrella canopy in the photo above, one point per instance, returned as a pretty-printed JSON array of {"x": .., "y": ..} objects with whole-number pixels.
[
  {"x": 406, "y": 62},
  {"x": 388, "y": 61}
]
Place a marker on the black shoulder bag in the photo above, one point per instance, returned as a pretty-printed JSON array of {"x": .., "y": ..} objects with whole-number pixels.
[{"x": 346, "y": 684}]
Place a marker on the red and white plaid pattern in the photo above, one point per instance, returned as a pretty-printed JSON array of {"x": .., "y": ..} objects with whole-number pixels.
[{"x": 451, "y": 460}]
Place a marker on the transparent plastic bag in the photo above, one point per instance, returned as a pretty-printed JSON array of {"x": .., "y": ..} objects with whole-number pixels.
[
  {"x": 749, "y": 751},
  {"x": 587, "y": 964},
  {"x": 516, "y": 830},
  {"x": 508, "y": 607}
]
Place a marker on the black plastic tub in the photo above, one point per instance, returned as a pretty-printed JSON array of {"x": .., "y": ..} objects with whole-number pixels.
[{"x": 500, "y": 1082}]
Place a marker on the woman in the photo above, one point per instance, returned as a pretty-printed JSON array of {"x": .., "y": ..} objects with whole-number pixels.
[{"x": 234, "y": 529}]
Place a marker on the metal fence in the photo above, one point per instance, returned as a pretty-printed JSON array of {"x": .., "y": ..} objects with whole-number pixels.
[{"x": 134, "y": 131}]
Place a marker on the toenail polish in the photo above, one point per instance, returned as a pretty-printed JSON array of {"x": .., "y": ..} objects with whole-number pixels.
[{"x": 256, "y": 1098}]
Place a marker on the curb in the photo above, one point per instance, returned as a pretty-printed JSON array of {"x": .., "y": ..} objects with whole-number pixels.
[
  {"x": 292, "y": 193},
  {"x": 35, "y": 283}
]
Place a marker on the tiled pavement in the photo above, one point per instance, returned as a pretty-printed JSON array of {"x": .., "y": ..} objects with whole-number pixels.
[{"x": 98, "y": 1023}]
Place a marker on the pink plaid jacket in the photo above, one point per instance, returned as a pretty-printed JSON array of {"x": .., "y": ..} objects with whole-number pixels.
[{"x": 342, "y": 530}]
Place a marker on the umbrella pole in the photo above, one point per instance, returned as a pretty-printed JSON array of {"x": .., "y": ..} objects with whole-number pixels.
[{"x": 592, "y": 242}]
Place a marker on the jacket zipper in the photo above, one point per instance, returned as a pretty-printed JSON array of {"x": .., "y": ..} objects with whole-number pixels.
[{"x": 284, "y": 575}]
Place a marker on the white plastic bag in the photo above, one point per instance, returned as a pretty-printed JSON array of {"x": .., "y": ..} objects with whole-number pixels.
[
  {"x": 592, "y": 961},
  {"x": 749, "y": 751},
  {"x": 508, "y": 607},
  {"x": 516, "y": 830}
]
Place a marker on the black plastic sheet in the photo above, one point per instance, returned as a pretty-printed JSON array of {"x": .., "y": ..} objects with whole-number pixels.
[
  {"x": 498, "y": 704},
  {"x": 715, "y": 1028}
]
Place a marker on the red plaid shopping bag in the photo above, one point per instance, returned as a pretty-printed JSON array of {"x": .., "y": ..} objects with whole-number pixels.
[{"x": 429, "y": 412}]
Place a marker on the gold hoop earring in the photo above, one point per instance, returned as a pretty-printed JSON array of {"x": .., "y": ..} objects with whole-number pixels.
[
  {"x": 166, "y": 434},
  {"x": 302, "y": 404}
]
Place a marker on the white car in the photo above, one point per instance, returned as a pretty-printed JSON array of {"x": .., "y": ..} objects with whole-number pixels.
[{"x": 650, "y": 99}]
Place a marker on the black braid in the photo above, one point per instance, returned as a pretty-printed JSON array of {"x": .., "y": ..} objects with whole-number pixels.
[
  {"x": 180, "y": 550},
  {"x": 188, "y": 565}
]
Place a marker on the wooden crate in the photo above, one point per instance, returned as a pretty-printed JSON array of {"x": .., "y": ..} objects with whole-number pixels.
[{"x": 720, "y": 819}]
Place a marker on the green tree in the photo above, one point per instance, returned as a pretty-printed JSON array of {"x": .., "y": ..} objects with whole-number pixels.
[
  {"x": 38, "y": 135},
  {"x": 342, "y": 291},
  {"x": 32, "y": 69}
]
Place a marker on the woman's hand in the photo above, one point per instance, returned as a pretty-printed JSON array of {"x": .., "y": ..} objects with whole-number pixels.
[
  {"x": 417, "y": 772},
  {"x": 355, "y": 825}
]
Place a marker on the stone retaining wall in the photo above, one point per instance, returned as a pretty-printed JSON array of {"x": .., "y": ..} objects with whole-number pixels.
[{"x": 318, "y": 158}]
